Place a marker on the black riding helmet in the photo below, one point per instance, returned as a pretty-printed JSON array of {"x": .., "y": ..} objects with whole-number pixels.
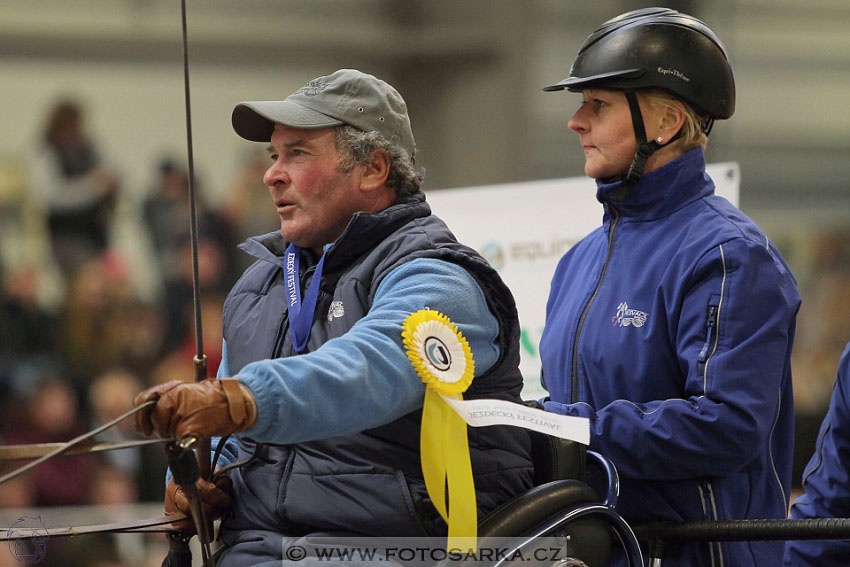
[{"x": 656, "y": 48}]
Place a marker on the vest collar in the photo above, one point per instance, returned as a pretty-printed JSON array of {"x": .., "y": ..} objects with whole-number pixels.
[{"x": 363, "y": 232}]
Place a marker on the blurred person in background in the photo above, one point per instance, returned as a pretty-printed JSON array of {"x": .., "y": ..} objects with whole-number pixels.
[
  {"x": 26, "y": 329},
  {"x": 166, "y": 214},
  {"x": 246, "y": 206},
  {"x": 18, "y": 492},
  {"x": 51, "y": 414},
  {"x": 671, "y": 326},
  {"x": 109, "y": 396},
  {"x": 822, "y": 328},
  {"x": 97, "y": 319},
  {"x": 178, "y": 360},
  {"x": 74, "y": 187}
]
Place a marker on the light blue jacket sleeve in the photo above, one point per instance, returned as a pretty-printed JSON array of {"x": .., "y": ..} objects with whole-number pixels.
[
  {"x": 230, "y": 450},
  {"x": 364, "y": 379}
]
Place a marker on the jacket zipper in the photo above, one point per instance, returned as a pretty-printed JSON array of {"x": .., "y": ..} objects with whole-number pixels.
[
  {"x": 284, "y": 479},
  {"x": 710, "y": 338},
  {"x": 614, "y": 222},
  {"x": 277, "y": 350},
  {"x": 712, "y": 326}
]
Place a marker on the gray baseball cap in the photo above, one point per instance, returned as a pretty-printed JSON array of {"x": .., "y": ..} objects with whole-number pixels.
[{"x": 346, "y": 96}]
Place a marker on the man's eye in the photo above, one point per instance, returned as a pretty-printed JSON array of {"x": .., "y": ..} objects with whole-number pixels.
[{"x": 273, "y": 157}]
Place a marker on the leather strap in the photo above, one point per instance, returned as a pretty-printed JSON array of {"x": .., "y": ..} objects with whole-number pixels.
[
  {"x": 159, "y": 524},
  {"x": 235, "y": 400},
  {"x": 36, "y": 450}
]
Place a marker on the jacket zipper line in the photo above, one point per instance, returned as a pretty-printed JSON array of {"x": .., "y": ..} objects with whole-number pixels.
[
  {"x": 716, "y": 322},
  {"x": 614, "y": 222}
]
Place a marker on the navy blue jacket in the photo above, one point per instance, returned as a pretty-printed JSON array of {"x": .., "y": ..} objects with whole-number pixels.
[{"x": 671, "y": 328}]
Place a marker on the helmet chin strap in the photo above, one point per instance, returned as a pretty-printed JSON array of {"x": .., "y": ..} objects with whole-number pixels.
[{"x": 645, "y": 148}]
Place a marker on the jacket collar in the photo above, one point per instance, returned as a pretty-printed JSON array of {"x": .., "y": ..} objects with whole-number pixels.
[
  {"x": 663, "y": 191},
  {"x": 363, "y": 232}
]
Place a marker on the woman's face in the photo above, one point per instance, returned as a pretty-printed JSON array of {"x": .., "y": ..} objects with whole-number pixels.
[{"x": 604, "y": 125}]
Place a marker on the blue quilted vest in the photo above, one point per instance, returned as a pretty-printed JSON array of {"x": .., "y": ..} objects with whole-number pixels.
[{"x": 369, "y": 483}]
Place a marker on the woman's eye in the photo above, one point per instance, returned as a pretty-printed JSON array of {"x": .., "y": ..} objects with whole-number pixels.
[{"x": 594, "y": 104}]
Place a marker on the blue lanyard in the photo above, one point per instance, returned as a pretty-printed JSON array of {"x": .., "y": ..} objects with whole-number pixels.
[{"x": 300, "y": 314}]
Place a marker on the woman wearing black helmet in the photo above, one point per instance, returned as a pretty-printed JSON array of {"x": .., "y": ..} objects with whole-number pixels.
[{"x": 671, "y": 326}]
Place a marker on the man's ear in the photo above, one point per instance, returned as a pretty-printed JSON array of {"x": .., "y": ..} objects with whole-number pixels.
[{"x": 375, "y": 173}]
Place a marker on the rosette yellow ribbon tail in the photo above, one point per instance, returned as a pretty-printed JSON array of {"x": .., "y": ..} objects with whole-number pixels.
[{"x": 443, "y": 360}]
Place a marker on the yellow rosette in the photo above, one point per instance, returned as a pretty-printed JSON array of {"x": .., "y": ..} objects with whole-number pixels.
[{"x": 442, "y": 358}]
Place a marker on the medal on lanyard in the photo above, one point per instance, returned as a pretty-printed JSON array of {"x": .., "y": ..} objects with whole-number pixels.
[{"x": 300, "y": 312}]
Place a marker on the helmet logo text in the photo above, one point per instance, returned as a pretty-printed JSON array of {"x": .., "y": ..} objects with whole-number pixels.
[{"x": 674, "y": 72}]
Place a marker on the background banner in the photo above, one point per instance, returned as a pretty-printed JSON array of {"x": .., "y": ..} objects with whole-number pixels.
[{"x": 523, "y": 229}]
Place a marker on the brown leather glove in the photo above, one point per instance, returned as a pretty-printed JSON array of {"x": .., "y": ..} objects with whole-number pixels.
[
  {"x": 208, "y": 408},
  {"x": 215, "y": 497}
]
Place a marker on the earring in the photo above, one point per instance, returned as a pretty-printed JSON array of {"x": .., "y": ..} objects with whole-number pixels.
[{"x": 659, "y": 139}]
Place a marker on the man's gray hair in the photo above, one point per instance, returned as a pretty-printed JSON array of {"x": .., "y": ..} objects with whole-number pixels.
[{"x": 355, "y": 147}]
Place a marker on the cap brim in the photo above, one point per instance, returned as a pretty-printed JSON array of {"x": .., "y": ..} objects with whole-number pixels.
[
  {"x": 255, "y": 120},
  {"x": 573, "y": 83}
]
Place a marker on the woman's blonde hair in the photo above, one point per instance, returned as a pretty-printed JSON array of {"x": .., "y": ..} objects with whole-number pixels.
[{"x": 692, "y": 132}]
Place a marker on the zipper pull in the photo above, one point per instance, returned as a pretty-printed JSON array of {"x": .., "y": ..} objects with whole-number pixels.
[{"x": 710, "y": 325}]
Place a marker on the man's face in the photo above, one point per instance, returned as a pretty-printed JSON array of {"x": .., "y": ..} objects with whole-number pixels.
[{"x": 314, "y": 199}]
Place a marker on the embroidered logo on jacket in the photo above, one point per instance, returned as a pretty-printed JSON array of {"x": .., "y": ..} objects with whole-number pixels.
[
  {"x": 626, "y": 316},
  {"x": 336, "y": 310}
]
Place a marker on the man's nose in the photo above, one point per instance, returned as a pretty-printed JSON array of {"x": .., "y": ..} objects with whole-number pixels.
[{"x": 275, "y": 174}]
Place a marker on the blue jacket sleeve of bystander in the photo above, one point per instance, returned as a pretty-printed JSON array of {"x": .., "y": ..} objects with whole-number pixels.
[{"x": 826, "y": 480}]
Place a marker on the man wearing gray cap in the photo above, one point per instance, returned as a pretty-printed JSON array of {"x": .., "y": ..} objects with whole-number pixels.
[{"x": 357, "y": 252}]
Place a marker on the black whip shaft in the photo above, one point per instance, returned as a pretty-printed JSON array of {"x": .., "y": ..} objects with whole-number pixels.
[
  {"x": 200, "y": 362},
  {"x": 747, "y": 530}
]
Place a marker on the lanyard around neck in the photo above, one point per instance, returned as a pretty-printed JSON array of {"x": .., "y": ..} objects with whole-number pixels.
[{"x": 300, "y": 313}]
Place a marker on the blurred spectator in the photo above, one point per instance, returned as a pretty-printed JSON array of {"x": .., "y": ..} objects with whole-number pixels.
[
  {"x": 246, "y": 206},
  {"x": 166, "y": 213},
  {"x": 822, "y": 327},
  {"x": 178, "y": 364},
  {"x": 27, "y": 331},
  {"x": 144, "y": 325},
  {"x": 76, "y": 191},
  {"x": 109, "y": 396},
  {"x": 18, "y": 492},
  {"x": 112, "y": 486},
  {"x": 825, "y": 322},
  {"x": 96, "y": 319},
  {"x": 51, "y": 415},
  {"x": 25, "y": 328}
]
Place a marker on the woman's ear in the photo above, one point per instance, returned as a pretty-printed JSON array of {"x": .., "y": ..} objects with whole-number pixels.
[
  {"x": 375, "y": 173},
  {"x": 670, "y": 121}
]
